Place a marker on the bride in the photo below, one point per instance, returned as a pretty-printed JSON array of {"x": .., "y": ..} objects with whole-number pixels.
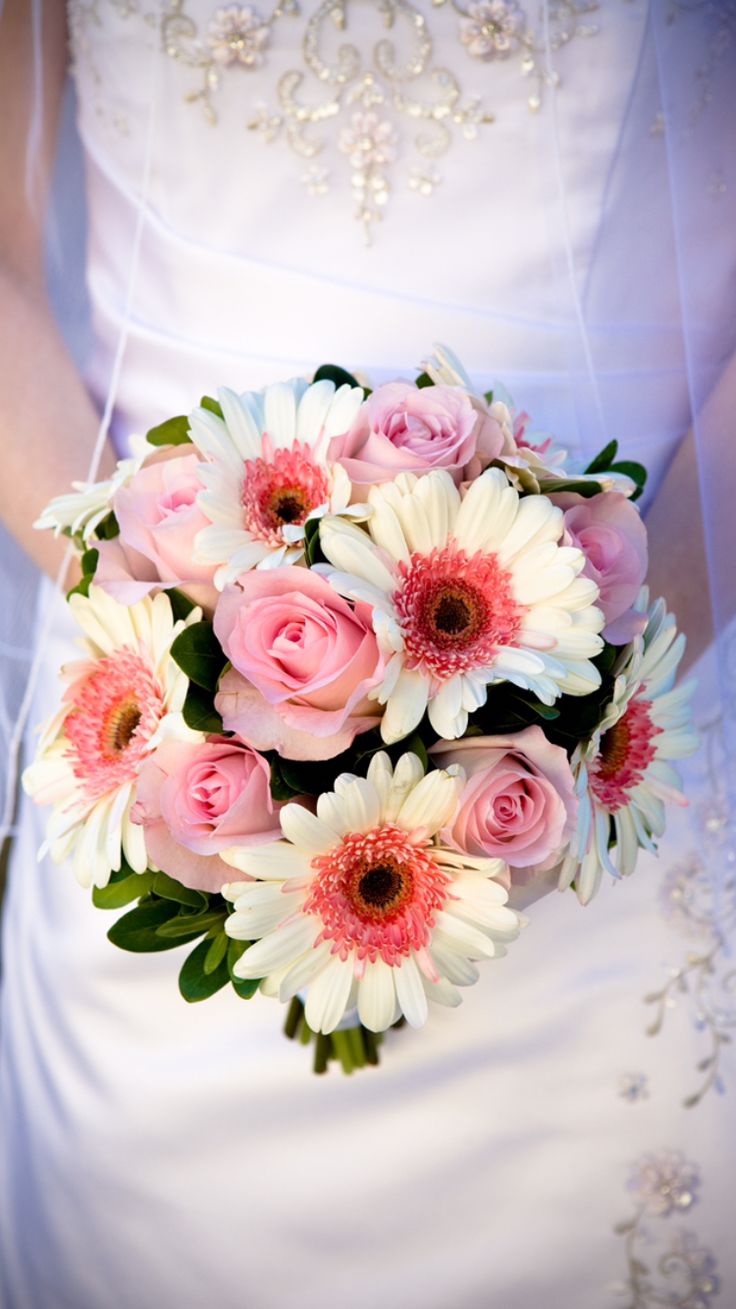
[{"x": 548, "y": 188}]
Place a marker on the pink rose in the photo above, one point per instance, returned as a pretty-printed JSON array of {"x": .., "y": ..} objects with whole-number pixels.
[
  {"x": 402, "y": 428},
  {"x": 306, "y": 659},
  {"x": 518, "y": 803},
  {"x": 609, "y": 531},
  {"x": 159, "y": 517},
  {"x": 195, "y": 798}
]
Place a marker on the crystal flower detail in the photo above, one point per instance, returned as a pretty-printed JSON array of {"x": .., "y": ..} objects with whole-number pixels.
[
  {"x": 664, "y": 1183},
  {"x": 492, "y": 29},
  {"x": 360, "y": 905},
  {"x": 701, "y": 1270},
  {"x": 633, "y": 1087},
  {"x": 120, "y": 700},
  {"x": 238, "y": 34},
  {"x": 693, "y": 903},
  {"x": 369, "y": 141}
]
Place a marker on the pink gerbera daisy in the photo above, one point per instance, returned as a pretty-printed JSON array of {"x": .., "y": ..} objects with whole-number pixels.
[
  {"x": 119, "y": 702},
  {"x": 360, "y": 904}
]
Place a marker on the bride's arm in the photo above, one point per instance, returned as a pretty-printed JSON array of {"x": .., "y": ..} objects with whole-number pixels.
[
  {"x": 47, "y": 420},
  {"x": 678, "y": 566}
]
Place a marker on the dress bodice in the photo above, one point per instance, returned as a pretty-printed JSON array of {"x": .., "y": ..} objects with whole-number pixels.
[{"x": 354, "y": 180}]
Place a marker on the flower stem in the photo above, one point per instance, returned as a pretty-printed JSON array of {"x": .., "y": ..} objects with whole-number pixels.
[
  {"x": 321, "y": 1052},
  {"x": 293, "y": 1018},
  {"x": 357, "y": 1046},
  {"x": 353, "y": 1047},
  {"x": 342, "y": 1048}
]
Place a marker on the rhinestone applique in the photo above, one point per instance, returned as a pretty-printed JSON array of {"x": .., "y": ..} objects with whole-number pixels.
[
  {"x": 663, "y": 1267},
  {"x": 237, "y": 38},
  {"x": 353, "y": 112},
  {"x": 366, "y": 102}
]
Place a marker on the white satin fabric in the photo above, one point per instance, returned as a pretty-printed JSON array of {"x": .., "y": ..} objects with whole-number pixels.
[{"x": 157, "y": 1153}]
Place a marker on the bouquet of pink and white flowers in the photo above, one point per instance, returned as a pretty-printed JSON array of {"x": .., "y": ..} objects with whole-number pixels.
[{"x": 355, "y": 667}]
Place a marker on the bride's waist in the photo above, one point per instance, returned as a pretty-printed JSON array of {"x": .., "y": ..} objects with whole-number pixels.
[{"x": 193, "y": 317}]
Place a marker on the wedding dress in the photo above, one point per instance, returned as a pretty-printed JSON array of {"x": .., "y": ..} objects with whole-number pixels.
[{"x": 262, "y": 196}]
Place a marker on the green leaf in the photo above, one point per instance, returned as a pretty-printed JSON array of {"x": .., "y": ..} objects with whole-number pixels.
[
  {"x": 196, "y": 984},
  {"x": 199, "y": 711},
  {"x": 119, "y": 893},
  {"x": 547, "y": 711},
  {"x": 313, "y": 546},
  {"x": 82, "y": 588},
  {"x": 214, "y": 406},
  {"x": 488, "y": 397},
  {"x": 198, "y": 653},
  {"x": 175, "y": 431},
  {"x": 334, "y": 373},
  {"x": 637, "y": 472},
  {"x": 169, "y": 889},
  {"x": 218, "y": 949},
  {"x": 423, "y": 380},
  {"x": 280, "y": 788},
  {"x": 604, "y": 460},
  {"x": 245, "y": 987},
  {"x": 138, "y": 930},
  {"x": 586, "y": 489},
  {"x": 606, "y": 659},
  {"x": 108, "y": 529},
  {"x": 120, "y": 874},
  {"x": 182, "y": 925},
  {"x": 181, "y": 605},
  {"x": 89, "y": 562},
  {"x": 415, "y": 745}
]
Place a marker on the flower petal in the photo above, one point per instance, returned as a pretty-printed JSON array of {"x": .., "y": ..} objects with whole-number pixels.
[
  {"x": 410, "y": 992},
  {"x": 433, "y": 801},
  {"x": 279, "y": 949},
  {"x": 305, "y": 830},
  {"x": 377, "y": 996},
  {"x": 328, "y": 994},
  {"x": 405, "y": 707},
  {"x": 276, "y": 862}
]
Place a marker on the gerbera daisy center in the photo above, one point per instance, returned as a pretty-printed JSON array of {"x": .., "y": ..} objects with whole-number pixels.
[
  {"x": 289, "y": 505},
  {"x": 455, "y": 610},
  {"x": 454, "y": 613},
  {"x": 377, "y": 893},
  {"x": 282, "y": 488},
  {"x": 626, "y": 751},
  {"x": 378, "y": 890},
  {"x": 124, "y": 720}
]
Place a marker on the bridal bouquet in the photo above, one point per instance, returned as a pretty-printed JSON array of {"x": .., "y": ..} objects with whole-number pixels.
[{"x": 359, "y": 671}]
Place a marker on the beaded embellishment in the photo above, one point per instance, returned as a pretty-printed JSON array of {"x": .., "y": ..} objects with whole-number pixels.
[{"x": 377, "y": 105}]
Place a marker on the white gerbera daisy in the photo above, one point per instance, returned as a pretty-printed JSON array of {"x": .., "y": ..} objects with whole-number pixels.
[
  {"x": 267, "y": 472},
  {"x": 466, "y": 592},
  {"x": 359, "y": 904},
  {"x": 119, "y": 703},
  {"x": 83, "y": 509},
  {"x": 623, "y": 774}
]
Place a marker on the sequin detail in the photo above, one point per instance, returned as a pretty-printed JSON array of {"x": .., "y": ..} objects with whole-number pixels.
[
  {"x": 665, "y": 1267},
  {"x": 370, "y": 108}
]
